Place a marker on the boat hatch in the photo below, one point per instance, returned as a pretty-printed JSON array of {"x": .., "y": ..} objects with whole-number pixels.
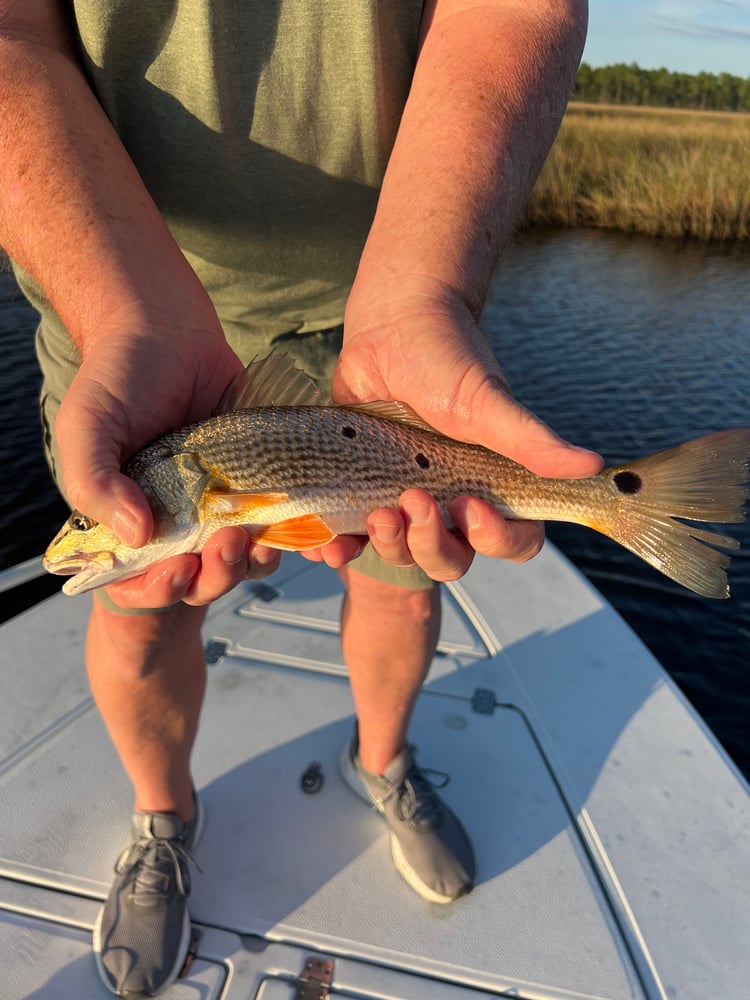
[{"x": 295, "y": 869}]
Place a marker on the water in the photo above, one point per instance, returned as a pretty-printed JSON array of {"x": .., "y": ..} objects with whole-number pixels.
[
  {"x": 626, "y": 345},
  {"x": 29, "y": 502},
  {"x": 629, "y": 345}
]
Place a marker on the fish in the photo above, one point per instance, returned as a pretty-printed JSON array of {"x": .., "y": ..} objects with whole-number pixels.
[{"x": 280, "y": 459}]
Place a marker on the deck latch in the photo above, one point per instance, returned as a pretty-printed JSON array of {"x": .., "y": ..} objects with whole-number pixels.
[
  {"x": 315, "y": 979},
  {"x": 312, "y": 780},
  {"x": 263, "y": 592},
  {"x": 483, "y": 701}
]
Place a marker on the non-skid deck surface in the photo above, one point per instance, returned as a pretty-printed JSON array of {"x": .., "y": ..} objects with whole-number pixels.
[{"x": 286, "y": 874}]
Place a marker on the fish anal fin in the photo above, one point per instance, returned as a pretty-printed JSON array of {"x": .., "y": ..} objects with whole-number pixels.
[
  {"x": 223, "y": 501},
  {"x": 296, "y": 534}
]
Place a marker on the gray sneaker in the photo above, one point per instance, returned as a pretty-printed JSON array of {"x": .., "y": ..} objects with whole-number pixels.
[
  {"x": 430, "y": 847},
  {"x": 142, "y": 933}
]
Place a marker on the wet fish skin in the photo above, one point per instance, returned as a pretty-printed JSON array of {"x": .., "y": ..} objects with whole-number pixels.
[{"x": 298, "y": 474}]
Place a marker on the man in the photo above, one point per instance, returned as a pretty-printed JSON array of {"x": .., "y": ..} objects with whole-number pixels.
[{"x": 179, "y": 177}]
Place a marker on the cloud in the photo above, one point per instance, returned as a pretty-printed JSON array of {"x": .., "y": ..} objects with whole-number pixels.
[
  {"x": 701, "y": 8},
  {"x": 696, "y": 29},
  {"x": 715, "y": 20}
]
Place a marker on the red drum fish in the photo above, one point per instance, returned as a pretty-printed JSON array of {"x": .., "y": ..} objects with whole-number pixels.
[{"x": 296, "y": 471}]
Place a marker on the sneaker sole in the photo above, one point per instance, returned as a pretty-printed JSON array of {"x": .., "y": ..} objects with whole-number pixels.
[
  {"x": 187, "y": 930},
  {"x": 352, "y": 779}
]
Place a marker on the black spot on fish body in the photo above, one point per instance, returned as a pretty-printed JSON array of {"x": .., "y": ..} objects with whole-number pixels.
[
  {"x": 628, "y": 482},
  {"x": 422, "y": 460},
  {"x": 349, "y": 432}
]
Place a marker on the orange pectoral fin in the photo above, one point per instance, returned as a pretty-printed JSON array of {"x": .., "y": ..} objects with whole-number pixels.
[
  {"x": 229, "y": 502},
  {"x": 296, "y": 534}
]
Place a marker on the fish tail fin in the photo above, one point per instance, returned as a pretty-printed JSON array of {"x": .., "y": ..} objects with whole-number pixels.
[{"x": 701, "y": 480}]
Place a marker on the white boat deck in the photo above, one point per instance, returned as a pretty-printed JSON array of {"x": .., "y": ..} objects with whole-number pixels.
[{"x": 611, "y": 833}]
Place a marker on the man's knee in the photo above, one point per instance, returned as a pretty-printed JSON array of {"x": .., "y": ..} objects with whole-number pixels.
[
  {"x": 141, "y": 643},
  {"x": 364, "y": 591}
]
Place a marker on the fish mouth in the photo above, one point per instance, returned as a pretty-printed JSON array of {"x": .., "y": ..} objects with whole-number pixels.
[
  {"x": 81, "y": 568},
  {"x": 68, "y": 565}
]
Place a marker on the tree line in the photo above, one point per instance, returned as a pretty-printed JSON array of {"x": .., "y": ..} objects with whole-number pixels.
[{"x": 629, "y": 84}]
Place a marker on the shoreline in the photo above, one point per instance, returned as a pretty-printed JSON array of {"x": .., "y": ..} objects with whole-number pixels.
[{"x": 656, "y": 171}]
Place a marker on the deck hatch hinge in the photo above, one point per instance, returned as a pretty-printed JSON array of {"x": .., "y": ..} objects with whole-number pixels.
[
  {"x": 315, "y": 979},
  {"x": 215, "y": 649}
]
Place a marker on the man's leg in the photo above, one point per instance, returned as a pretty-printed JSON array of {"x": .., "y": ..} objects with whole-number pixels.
[
  {"x": 389, "y": 636},
  {"x": 147, "y": 674}
]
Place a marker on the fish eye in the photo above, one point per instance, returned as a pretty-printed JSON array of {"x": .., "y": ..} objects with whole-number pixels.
[{"x": 79, "y": 522}]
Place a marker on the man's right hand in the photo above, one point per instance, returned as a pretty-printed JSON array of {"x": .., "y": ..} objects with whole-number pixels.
[{"x": 129, "y": 389}]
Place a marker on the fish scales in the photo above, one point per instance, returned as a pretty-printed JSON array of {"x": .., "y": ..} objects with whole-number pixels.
[{"x": 340, "y": 455}]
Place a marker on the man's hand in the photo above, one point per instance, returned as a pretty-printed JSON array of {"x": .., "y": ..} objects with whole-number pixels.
[
  {"x": 129, "y": 390},
  {"x": 436, "y": 360}
]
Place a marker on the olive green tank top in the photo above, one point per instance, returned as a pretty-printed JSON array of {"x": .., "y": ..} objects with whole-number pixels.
[{"x": 262, "y": 129}]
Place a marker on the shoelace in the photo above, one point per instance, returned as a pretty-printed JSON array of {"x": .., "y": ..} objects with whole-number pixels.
[
  {"x": 135, "y": 858},
  {"x": 417, "y": 802}
]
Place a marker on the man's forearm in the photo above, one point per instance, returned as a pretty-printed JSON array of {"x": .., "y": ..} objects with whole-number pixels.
[
  {"x": 73, "y": 210},
  {"x": 490, "y": 88}
]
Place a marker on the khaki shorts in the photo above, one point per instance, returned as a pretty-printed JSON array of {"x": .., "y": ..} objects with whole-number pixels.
[{"x": 316, "y": 353}]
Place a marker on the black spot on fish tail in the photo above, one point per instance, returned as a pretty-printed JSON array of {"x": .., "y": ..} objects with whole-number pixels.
[
  {"x": 628, "y": 482},
  {"x": 422, "y": 460}
]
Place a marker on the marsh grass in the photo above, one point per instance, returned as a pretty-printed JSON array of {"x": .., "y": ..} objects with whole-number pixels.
[{"x": 655, "y": 171}]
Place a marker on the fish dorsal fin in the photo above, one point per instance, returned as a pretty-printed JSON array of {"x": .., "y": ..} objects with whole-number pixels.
[
  {"x": 399, "y": 413},
  {"x": 271, "y": 381}
]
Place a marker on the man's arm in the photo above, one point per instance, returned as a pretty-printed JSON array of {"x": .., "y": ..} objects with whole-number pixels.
[
  {"x": 75, "y": 215},
  {"x": 490, "y": 88}
]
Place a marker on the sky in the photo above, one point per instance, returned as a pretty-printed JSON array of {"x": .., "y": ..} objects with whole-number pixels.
[{"x": 686, "y": 36}]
